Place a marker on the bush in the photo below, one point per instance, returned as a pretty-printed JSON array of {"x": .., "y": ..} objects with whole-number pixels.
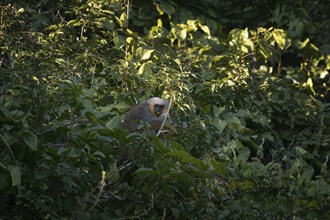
[{"x": 250, "y": 103}]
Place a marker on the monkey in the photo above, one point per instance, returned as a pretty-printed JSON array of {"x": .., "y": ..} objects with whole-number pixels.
[{"x": 152, "y": 112}]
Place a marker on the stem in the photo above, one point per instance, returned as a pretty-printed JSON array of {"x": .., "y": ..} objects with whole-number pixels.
[
  {"x": 11, "y": 153},
  {"x": 165, "y": 118}
]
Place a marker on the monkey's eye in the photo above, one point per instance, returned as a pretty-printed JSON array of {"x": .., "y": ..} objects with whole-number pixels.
[{"x": 159, "y": 106}]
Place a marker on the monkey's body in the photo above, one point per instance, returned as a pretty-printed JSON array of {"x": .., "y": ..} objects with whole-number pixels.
[
  {"x": 151, "y": 112},
  {"x": 137, "y": 114}
]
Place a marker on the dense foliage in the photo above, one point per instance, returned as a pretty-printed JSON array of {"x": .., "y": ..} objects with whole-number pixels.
[{"x": 249, "y": 84}]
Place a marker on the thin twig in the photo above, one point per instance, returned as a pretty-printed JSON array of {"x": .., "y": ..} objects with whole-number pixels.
[
  {"x": 101, "y": 186},
  {"x": 165, "y": 118},
  {"x": 127, "y": 13},
  {"x": 128, "y": 5},
  {"x": 11, "y": 153}
]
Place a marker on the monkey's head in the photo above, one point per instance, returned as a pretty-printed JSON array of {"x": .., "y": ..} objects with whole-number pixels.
[{"x": 157, "y": 106}]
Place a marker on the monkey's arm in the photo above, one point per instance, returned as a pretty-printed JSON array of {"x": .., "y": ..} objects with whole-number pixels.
[{"x": 156, "y": 124}]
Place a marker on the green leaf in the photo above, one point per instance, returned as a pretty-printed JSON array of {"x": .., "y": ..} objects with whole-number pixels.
[
  {"x": 167, "y": 7},
  {"x": 15, "y": 173},
  {"x": 281, "y": 38},
  {"x": 303, "y": 44},
  {"x": 206, "y": 29},
  {"x": 206, "y": 108},
  {"x": 185, "y": 157},
  {"x": 109, "y": 24},
  {"x": 217, "y": 111},
  {"x": 113, "y": 173},
  {"x": 219, "y": 167},
  {"x": 243, "y": 154},
  {"x": 182, "y": 34},
  {"x": 248, "y": 46},
  {"x": 191, "y": 25},
  {"x": 118, "y": 40},
  {"x": 114, "y": 122},
  {"x": 8, "y": 148},
  {"x": 307, "y": 174},
  {"x": 123, "y": 19},
  {"x": 99, "y": 154},
  {"x": 30, "y": 140},
  {"x": 246, "y": 185},
  {"x": 145, "y": 71},
  {"x": 310, "y": 86},
  {"x": 219, "y": 124},
  {"x": 143, "y": 53},
  {"x": 254, "y": 169}
]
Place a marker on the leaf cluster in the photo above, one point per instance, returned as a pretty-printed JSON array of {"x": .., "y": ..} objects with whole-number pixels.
[{"x": 249, "y": 84}]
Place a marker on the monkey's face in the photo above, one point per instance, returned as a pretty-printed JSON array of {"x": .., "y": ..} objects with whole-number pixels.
[
  {"x": 158, "y": 109},
  {"x": 157, "y": 106}
]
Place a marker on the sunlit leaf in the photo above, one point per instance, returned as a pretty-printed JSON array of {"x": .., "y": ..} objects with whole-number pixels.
[
  {"x": 205, "y": 29},
  {"x": 143, "y": 53},
  {"x": 145, "y": 71},
  {"x": 192, "y": 25},
  {"x": 309, "y": 84},
  {"x": 281, "y": 38}
]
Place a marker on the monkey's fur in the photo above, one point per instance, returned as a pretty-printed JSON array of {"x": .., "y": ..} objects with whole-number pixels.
[{"x": 152, "y": 112}]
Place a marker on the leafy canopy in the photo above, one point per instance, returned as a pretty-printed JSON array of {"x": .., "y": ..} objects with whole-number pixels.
[{"x": 249, "y": 84}]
